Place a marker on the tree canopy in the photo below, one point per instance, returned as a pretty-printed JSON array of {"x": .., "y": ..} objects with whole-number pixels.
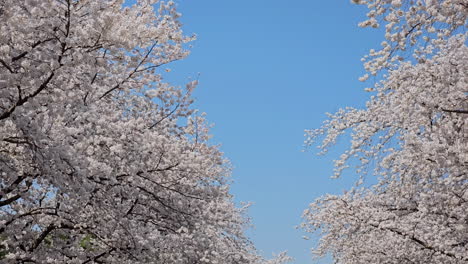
[
  {"x": 412, "y": 135},
  {"x": 101, "y": 160}
]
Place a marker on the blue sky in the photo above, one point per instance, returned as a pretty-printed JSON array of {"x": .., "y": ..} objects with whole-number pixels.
[{"x": 267, "y": 71}]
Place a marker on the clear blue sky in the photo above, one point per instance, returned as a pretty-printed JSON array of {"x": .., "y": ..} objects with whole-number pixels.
[{"x": 269, "y": 70}]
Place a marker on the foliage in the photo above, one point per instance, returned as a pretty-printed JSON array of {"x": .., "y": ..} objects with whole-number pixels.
[
  {"x": 101, "y": 160},
  {"x": 414, "y": 132}
]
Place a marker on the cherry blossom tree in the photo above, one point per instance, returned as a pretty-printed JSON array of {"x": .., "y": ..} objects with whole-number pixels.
[
  {"x": 412, "y": 135},
  {"x": 101, "y": 161}
]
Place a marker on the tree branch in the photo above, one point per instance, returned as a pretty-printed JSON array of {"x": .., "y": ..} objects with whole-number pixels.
[{"x": 455, "y": 111}]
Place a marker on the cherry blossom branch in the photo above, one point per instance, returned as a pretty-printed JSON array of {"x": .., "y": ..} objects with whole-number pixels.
[{"x": 455, "y": 111}]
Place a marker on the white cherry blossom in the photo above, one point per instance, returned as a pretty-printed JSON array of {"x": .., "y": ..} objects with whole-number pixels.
[
  {"x": 413, "y": 136},
  {"x": 101, "y": 161}
]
